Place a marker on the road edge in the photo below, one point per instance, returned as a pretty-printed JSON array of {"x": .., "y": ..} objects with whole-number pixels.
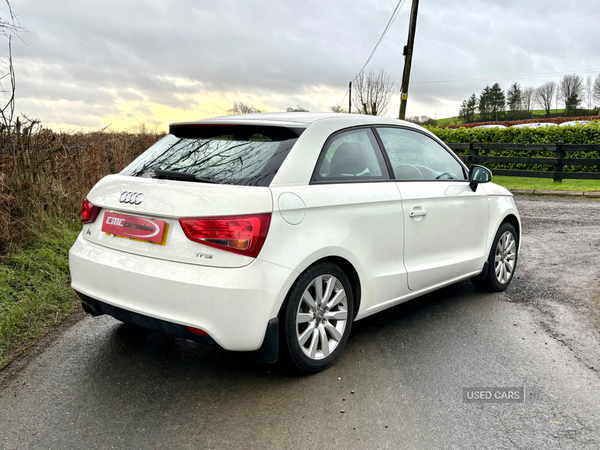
[
  {"x": 29, "y": 352},
  {"x": 587, "y": 194}
]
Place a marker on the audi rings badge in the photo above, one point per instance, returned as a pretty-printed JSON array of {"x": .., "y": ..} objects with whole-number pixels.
[{"x": 132, "y": 198}]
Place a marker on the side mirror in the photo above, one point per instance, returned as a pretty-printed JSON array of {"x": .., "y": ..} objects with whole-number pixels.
[{"x": 479, "y": 174}]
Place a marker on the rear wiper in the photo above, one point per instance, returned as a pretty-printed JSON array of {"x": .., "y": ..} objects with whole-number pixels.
[{"x": 180, "y": 176}]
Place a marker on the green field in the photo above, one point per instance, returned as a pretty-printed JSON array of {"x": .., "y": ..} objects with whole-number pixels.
[
  {"x": 35, "y": 294},
  {"x": 455, "y": 120},
  {"x": 545, "y": 183}
]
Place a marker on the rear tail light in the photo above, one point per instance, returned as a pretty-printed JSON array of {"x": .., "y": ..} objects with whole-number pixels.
[
  {"x": 244, "y": 235},
  {"x": 89, "y": 212}
]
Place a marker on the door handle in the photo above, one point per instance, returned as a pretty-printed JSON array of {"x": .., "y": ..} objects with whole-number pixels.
[{"x": 418, "y": 213}]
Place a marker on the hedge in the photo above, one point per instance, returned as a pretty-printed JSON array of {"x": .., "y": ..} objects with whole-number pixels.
[
  {"x": 536, "y": 119},
  {"x": 576, "y": 134}
]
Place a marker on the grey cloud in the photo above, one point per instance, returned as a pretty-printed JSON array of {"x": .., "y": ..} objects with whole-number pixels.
[{"x": 266, "y": 48}]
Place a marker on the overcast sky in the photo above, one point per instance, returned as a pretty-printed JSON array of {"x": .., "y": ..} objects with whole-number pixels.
[{"x": 84, "y": 63}]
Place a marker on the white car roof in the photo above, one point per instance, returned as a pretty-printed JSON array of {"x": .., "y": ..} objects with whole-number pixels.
[
  {"x": 299, "y": 119},
  {"x": 534, "y": 125},
  {"x": 574, "y": 122}
]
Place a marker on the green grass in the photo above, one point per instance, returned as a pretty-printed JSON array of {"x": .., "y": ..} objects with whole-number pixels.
[
  {"x": 545, "y": 183},
  {"x": 542, "y": 112},
  {"x": 35, "y": 292},
  {"x": 448, "y": 121}
]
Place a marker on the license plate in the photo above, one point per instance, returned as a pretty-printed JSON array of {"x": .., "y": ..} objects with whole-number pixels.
[{"x": 133, "y": 227}]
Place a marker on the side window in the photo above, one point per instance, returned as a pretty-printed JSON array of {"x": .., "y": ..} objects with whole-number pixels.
[
  {"x": 352, "y": 155},
  {"x": 415, "y": 156}
]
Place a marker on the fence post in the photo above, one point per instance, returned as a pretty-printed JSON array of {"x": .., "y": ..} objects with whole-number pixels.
[
  {"x": 559, "y": 154},
  {"x": 472, "y": 150}
]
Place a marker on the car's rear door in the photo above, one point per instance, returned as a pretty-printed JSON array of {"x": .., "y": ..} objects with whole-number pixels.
[{"x": 445, "y": 222}]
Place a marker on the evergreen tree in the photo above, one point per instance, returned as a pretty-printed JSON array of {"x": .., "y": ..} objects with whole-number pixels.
[
  {"x": 497, "y": 102},
  {"x": 514, "y": 99},
  {"x": 484, "y": 104},
  {"x": 471, "y": 108},
  {"x": 462, "y": 112}
]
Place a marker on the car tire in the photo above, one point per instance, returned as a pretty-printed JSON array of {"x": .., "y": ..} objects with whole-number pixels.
[
  {"x": 502, "y": 260},
  {"x": 317, "y": 318}
]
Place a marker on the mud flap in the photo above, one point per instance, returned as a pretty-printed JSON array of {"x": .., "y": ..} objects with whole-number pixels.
[
  {"x": 484, "y": 272},
  {"x": 269, "y": 351}
]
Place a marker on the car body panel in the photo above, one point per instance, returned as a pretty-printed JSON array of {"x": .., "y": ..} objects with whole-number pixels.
[
  {"x": 169, "y": 200},
  {"x": 368, "y": 232},
  {"x": 233, "y": 296},
  {"x": 233, "y": 305},
  {"x": 501, "y": 206},
  {"x": 432, "y": 252}
]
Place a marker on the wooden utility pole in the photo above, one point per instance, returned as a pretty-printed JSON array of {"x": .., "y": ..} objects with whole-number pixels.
[
  {"x": 408, "y": 51},
  {"x": 350, "y": 98}
]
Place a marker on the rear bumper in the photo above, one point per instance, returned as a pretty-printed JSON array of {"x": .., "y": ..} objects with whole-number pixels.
[
  {"x": 97, "y": 308},
  {"x": 233, "y": 305}
]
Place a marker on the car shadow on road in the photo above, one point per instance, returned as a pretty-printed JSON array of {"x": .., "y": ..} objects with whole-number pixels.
[
  {"x": 146, "y": 374},
  {"x": 135, "y": 348}
]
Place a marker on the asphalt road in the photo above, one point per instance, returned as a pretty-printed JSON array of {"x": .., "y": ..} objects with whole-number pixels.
[{"x": 399, "y": 384}]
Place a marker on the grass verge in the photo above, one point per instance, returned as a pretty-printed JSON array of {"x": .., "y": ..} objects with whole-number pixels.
[
  {"x": 545, "y": 183},
  {"x": 35, "y": 291}
]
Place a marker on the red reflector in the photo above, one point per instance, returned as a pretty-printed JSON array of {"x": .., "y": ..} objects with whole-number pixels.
[
  {"x": 198, "y": 331},
  {"x": 89, "y": 212},
  {"x": 244, "y": 235}
]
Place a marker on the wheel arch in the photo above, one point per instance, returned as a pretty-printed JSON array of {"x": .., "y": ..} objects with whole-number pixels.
[
  {"x": 512, "y": 219},
  {"x": 348, "y": 269}
]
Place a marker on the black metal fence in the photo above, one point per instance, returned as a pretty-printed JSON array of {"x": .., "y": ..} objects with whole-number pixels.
[{"x": 561, "y": 159}]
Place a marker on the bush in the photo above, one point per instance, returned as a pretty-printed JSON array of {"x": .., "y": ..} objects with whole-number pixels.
[
  {"x": 44, "y": 176},
  {"x": 577, "y": 134}
]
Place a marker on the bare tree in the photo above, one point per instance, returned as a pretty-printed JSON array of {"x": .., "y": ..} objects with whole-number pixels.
[
  {"x": 338, "y": 109},
  {"x": 8, "y": 28},
  {"x": 528, "y": 99},
  {"x": 597, "y": 89},
  {"x": 371, "y": 93},
  {"x": 424, "y": 120},
  {"x": 544, "y": 95},
  {"x": 298, "y": 108},
  {"x": 588, "y": 92},
  {"x": 243, "y": 108},
  {"x": 571, "y": 90}
]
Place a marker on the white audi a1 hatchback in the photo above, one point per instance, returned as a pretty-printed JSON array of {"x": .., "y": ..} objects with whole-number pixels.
[{"x": 274, "y": 232}]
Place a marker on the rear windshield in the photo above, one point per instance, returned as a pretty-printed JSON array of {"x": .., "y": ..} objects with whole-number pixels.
[{"x": 227, "y": 154}]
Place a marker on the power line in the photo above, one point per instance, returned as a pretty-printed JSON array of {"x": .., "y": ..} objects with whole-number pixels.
[
  {"x": 387, "y": 28},
  {"x": 385, "y": 32},
  {"x": 531, "y": 75}
]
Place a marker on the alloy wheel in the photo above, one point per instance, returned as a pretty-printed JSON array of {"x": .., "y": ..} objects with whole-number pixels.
[
  {"x": 321, "y": 317},
  {"x": 504, "y": 262}
]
